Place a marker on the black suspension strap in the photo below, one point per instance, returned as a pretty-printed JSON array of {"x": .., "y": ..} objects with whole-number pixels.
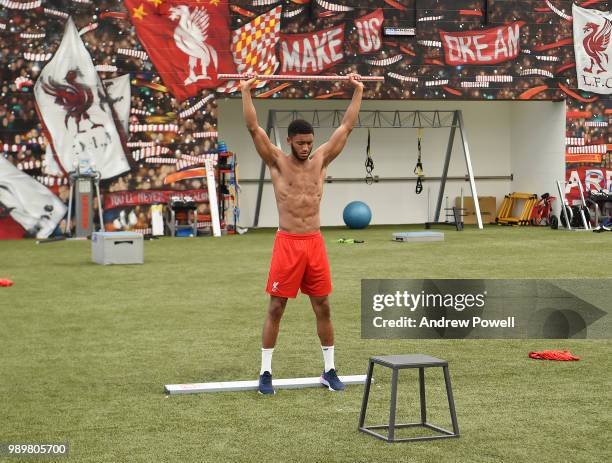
[
  {"x": 418, "y": 170},
  {"x": 369, "y": 163}
]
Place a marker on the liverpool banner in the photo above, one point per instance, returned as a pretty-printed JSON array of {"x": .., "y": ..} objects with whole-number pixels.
[
  {"x": 369, "y": 31},
  {"x": 188, "y": 42},
  {"x": 118, "y": 90},
  {"x": 312, "y": 53},
  {"x": 593, "y": 49},
  {"x": 489, "y": 46},
  {"x": 76, "y": 111}
]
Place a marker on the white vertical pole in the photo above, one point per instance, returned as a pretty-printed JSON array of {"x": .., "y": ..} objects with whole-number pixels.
[
  {"x": 468, "y": 163},
  {"x": 212, "y": 197}
]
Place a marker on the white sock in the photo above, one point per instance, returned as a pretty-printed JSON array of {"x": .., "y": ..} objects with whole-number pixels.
[
  {"x": 266, "y": 360},
  {"x": 328, "y": 357}
]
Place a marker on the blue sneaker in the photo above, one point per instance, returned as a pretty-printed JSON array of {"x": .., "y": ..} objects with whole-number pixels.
[
  {"x": 265, "y": 383},
  {"x": 331, "y": 380}
]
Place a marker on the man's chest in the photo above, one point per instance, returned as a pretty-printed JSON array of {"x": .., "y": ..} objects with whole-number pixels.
[{"x": 306, "y": 177}]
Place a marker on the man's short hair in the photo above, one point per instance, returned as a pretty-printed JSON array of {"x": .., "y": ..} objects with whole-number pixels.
[{"x": 299, "y": 126}]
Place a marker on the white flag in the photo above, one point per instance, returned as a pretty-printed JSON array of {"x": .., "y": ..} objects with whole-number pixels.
[
  {"x": 51, "y": 165},
  {"x": 28, "y": 202},
  {"x": 119, "y": 93},
  {"x": 593, "y": 49},
  {"x": 76, "y": 110}
]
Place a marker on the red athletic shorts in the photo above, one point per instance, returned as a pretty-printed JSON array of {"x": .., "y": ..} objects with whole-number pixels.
[{"x": 299, "y": 261}]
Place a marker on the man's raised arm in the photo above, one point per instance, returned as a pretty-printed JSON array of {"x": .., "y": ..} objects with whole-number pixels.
[
  {"x": 336, "y": 143},
  {"x": 263, "y": 145}
]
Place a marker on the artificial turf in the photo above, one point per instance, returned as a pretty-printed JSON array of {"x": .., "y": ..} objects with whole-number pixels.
[{"x": 86, "y": 350}]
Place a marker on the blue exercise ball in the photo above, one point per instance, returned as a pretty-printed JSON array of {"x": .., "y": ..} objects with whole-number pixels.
[{"x": 357, "y": 215}]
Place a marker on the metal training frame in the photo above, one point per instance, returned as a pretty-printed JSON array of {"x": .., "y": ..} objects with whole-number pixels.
[{"x": 331, "y": 118}]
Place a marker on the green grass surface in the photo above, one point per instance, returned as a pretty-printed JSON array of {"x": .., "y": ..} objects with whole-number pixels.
[{"x": 86, "y": 350}]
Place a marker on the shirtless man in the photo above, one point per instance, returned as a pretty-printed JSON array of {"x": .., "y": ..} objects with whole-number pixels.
[{"x": 299, "y": 258}]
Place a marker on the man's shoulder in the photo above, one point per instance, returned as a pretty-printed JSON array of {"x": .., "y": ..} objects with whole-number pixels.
[
  {"x": 319, "y": 155},
  {"x": 282, "y": 156}
]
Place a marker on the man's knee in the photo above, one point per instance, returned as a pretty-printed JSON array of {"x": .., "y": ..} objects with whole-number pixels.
[
  {"x": 321, "y": 307},
  {"x": 277, "y": 308}
]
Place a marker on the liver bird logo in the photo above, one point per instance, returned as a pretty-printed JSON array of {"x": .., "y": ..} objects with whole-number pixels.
[
  {"x": 74, "y": 97},
  {"x": 595, "y": 43},
  {"x": 190, "y": 36}
]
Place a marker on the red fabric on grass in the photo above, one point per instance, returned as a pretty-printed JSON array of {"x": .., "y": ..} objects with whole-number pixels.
[
  {"x": 4, "y": 282},
  {"x": 561, "y": 355}
]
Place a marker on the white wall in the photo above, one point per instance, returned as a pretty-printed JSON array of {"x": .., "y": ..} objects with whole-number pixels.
[
  {"x": 489, "y": 134},
  {"x": 537, "y": 147}
]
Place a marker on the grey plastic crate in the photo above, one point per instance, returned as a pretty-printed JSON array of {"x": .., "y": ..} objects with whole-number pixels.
[{"x": 117, "y": 248}]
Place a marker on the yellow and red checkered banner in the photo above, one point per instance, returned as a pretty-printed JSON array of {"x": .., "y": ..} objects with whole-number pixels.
[{"x": 253, "y": 47}]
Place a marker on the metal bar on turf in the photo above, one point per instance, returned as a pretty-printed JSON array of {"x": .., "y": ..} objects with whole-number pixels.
[
  {"x": 236, "y": 386},
  {"x": 299, "y": 77}
]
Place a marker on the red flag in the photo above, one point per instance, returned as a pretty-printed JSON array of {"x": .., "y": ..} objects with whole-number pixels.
[
  {"x": 187, "y": 41},
  {"x": 593, "y": 178},
  {"x": 312, "y": 53},
  {"x": 368, "y": 28},
  {"x": 489, "y": 46}
]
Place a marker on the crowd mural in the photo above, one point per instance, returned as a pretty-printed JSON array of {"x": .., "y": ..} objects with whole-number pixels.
[{"x": 130, "y": 87}]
